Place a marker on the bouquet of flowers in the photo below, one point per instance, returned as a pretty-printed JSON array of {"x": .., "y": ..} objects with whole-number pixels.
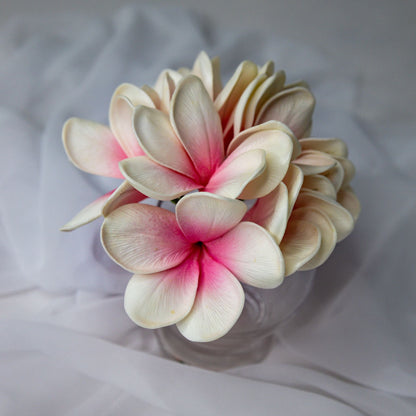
[{"x": 255, "y": 197}]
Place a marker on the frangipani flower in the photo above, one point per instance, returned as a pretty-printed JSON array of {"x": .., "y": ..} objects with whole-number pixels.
[
  {"x": 188, "y": 267},
  {"x": 313, "y": 208},
  {"x": 185, "y": 150}
]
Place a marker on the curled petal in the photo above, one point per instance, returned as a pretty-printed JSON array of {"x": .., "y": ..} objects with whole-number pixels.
[
  {"x": 218, "y": 303},
  {"x": 92, "y": 147},
  {"x": 300, "y": 243},
  {"x": 293, "y": 107},
  {"x": 165, "y": 87},
  {"x": 203, "y": 216},
  {"x": 197, "y": 125},
  {"x": 227, "y": 99},
  {"x": 336, "y": 175},
  {"x": 293, "y": 181},
  {"x": 144, "y": 239},
  {"x": 313, "y": 162},
  {"x": 158, "y": 140},
  {"x": 263, "y": 93},
  {"x": 152, "y": 94},
  {"x": 123, "y": 195},
  {"x": 334, "y": 147},
  {"x": 243, "y": 102},
  {"x": 251, "y": 254},
  {"x": 88, "y": 214},
  {"x": 278, "y": 147},
  {"x": 347, "y": 198},
  {"x": 125, "y": 98},
  {"x": 236, "y": 172},
  {"x": 163, "y": 298},
  {"x": 340, "y": 217},
  {"x": 155, "y": 180},
  {"x": 321, "y": 184},
  {"x": 271, "y": 212},
  {"x": 349, "y": 171},
  {"x": 328, "y": 234}
]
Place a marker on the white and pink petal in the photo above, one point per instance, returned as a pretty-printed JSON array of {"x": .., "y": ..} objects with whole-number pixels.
[
  {"x": 164, "y": 298},
  {"x": 154, "y": 180},
  {"x": 144, "y": 239},
  {"x": 203, "y": 216},
  {"x": 92, "y": 147},
  {"x": 218, "y": 303},
  {"x": 251, "y": 254}
]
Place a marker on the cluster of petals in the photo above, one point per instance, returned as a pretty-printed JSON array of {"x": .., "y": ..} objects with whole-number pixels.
[
  {"x": 209, "y": 146},
  {"x": 188, "y": 267}
]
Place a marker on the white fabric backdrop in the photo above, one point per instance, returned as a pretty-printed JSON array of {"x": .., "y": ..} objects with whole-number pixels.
[{"x": 66, "y": 346}]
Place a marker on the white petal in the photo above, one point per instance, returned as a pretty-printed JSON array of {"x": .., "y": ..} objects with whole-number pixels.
[
  {"x": 327, "y": 230},
  {"x": 158, "y": 140},
  {"x": 92, "y": 147},
  {"x": 264, "y": 92},
  {"x": 218, "y": 304},
  {"x": 203, "y": 216},
  {"x": 236, "y": 172},
  {"x": 321, "y": 184},
  {"x": 349, "y": 171},
  {"x": 123, "y": 195},
  {"x": 334, "y": 147},
  {"x": 293, "y": 107},
  {"x": 154, "y": 180},
  {"x": 144, "y": 239},
  {"x": 88, "y": 214},
  {"x": 347, "y": 198},
  {"x": 300, "y": 243},
  {"x": 278, "y": 147},
  {"x": 208, "y": 71},
  {"x": 293, "y": 181},
  {"x": 251, "y": 254},
  {"x": 227, "y": 99},
  {"x": 340, "y": 217},
  {"x": 164, "y": 298},
  {"x": 197, "y": 125},
  {"x": 271, "y": 212},
  {"x": 313, "y": 162}
]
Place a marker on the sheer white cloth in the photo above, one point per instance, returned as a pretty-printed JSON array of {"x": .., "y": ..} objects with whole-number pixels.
[{"x": 66, "y": 345}]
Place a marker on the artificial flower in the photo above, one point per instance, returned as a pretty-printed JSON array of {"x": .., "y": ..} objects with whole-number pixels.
[
  {"x": 188, "y": 267},
  {"x": 185, "y": 150}
]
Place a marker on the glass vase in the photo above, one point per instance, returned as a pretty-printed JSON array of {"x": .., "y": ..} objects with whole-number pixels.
[{"x": 251, "y": 338}]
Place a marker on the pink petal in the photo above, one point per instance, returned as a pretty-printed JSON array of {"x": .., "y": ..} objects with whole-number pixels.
[
  {"x": 92, "y": 147},
  {"x": 293, "y": 107},
  {"x": 327, "y": 230},
  {"x": 124, "y": 99},
  {"x": 227, "y": 99},
  {"x": 340, "y": 217},
  {"x": 271, "y": 212},
  {"x": 203, "y": 216},
  {"x": 123, "y": 195},
  {"x": 144, "y": 239},
  {"x": 163, "y": 298},
  {"x": 88, "y": 214},
  {"x": 155, "y": 180},
  {"x": 198, "y": 126},
  {"x": 251, "y": 255},
  {"x": 157, "y": 138},
  {"x": 218, "y": 304},
  {"x": 278, "y": 147},
  {"x": 236, "y": 172},
  {"x": 334, "y": 147},
  {"x": 300, "y": 243}
]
